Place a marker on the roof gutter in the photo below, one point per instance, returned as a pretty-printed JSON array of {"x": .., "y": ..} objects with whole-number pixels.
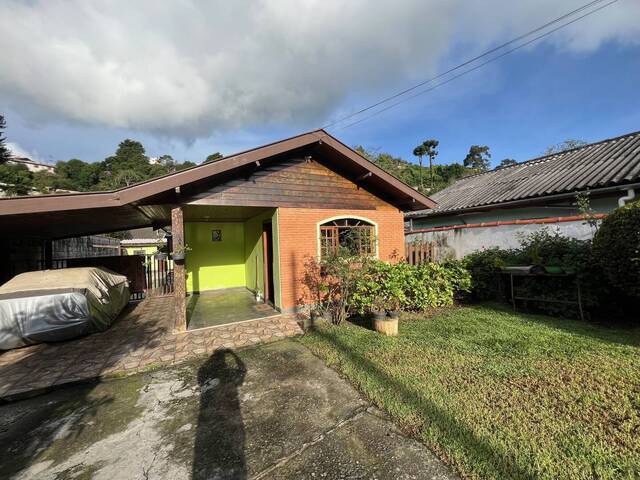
[{"x": 528, "y": 201}]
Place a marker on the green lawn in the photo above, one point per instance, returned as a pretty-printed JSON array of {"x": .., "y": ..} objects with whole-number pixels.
[{"x": 502, "y": 395}]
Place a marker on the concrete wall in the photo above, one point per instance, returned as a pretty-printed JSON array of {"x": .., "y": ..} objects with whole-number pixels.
[
  {"x": 85, "y": 247},
  {"x": 460, "y": 242}
]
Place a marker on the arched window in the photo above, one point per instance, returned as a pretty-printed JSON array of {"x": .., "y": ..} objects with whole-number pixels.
[{"x": 352, "y": 233}]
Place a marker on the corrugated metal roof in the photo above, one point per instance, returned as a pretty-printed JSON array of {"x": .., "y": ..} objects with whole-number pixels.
[{"x": 611, "y": 162}]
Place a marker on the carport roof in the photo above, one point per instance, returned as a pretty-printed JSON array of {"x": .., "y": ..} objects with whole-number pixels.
[{"x": 68, "y": 215}]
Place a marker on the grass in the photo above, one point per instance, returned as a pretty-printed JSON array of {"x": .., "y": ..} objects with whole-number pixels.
[{"x": 500, "y": 395}]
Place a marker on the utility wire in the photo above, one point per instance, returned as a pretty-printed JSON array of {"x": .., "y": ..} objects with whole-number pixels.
[{"x": 472, "y": 60}]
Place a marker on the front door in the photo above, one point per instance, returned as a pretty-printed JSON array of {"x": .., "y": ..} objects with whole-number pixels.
[{"x": 267, "y": 248}]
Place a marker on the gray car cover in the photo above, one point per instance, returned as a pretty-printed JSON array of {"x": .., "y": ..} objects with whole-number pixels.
[{"x": 54, "y": 305}]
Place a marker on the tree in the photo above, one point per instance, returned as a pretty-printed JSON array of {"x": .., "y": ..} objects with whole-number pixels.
[
  {"x": 507, "y": 162},
  {"x": 564, "y": 146},
  {"x": 214, "y": 157},
  {"x": 15, "y": 179},
  {"x": 5, "y": 153},
  {"x": 428, "y": 147},
  {"x": 478, "y": 157}
]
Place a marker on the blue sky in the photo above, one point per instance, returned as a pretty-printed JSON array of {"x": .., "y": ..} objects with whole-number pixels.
[{"x": 519, "y": 105}]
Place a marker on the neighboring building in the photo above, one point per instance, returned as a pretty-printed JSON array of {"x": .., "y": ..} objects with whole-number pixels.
[
  {"x": 141, "y": 246},
  {"x": 496, "y": 208},
  {"x": 251, "y": 220},
  {"x": 33, "y": 166}
]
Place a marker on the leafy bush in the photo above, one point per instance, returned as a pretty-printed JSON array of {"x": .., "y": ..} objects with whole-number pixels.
[
  {"x": 617, "y": 248},
  {"x": 384, "y": 286},
  {"x": 485, "y": 267},
  {"x": 541, "y": 248}
]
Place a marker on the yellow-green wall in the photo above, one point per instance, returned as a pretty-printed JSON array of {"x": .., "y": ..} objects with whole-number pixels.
[
  {"x": 148, "y": 250},
  {"x": 214, "y": 265},
  {"x": 236, "y": 261},
  {"x": 254, "y": 253}
]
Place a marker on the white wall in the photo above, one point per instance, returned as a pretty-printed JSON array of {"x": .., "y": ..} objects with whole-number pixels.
[{"x": 461, "y": 242}]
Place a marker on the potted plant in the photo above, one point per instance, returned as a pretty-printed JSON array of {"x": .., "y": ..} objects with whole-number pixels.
[
  {"x": 179, "y": 253},
  {"x": 554, "y": 266},
  {"x": 381, "y": 323}
]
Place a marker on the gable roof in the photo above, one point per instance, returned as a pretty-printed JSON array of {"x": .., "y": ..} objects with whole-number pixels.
[
  {"x": 76, "y": 212},
  {"x": 608, "y": 163}
]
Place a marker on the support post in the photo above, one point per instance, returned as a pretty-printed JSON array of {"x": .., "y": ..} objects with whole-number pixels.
[
  {"x": 47, "y": 250},
  {"x": 179, "y": 274}
]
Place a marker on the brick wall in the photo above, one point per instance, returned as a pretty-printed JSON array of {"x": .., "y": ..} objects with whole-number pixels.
[{"x": 299, "y": 239}]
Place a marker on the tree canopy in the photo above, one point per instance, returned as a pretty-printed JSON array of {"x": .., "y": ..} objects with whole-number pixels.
[
  {"x": 564, "y": 146},
  {"x": 128, "y": 165},
  {"x": 410, "y": 173},
  {"x": 5, "y": 154},
  {"x": 507, "y": 162},
  {"x": 478, "y": 158}
]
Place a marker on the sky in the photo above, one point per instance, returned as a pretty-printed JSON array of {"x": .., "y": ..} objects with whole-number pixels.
[{"x": 192, "y": 78}]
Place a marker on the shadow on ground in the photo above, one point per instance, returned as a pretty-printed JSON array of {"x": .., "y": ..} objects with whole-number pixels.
[{"x": 219, "y": 443}]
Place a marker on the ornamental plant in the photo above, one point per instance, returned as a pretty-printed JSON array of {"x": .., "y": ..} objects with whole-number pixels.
[{"x": 616, "y": 248}]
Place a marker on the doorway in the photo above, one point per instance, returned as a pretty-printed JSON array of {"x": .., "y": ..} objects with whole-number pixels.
[{"x": 267, "y": 248}]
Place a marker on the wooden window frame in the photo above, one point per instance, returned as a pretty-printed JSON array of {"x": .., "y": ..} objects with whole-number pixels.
[{"x": 330, "y": 230}]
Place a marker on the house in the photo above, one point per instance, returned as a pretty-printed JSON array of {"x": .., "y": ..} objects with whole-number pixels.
[
  {"x": 495, "y": 208},
  {"x": 250, "y": 219},
  {"x": 33, "y": 166}
]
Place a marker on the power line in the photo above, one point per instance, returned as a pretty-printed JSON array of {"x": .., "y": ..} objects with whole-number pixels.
[{"x": 472, "y": 60}]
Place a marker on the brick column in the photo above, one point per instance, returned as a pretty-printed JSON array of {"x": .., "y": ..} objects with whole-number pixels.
[{"x": 179, "y": 275}]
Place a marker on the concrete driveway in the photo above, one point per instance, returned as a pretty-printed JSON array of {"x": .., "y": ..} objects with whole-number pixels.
[{"x": 271, "y": 412}]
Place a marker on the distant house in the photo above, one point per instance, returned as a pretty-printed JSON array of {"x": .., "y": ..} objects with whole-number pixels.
[
  {"x": 33, "y": 166},
  {"x": 495, "y": 208}
]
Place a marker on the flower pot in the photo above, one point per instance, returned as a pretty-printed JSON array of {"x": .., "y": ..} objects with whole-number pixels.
[
  {"x": 378, "y": 315},
  {"x": 160, "y": 256},
  {"x": 553, "y": 269},
  {"x": 393, "y": 313},
  {"x": 178, "y": 257},
  {"x": 386, "y": 326}
]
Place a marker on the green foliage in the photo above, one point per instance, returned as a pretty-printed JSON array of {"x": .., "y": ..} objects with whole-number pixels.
[
  {"x": 507, "y": 162},
  {"x": 129, "y": 165},
  {"x": 214, "y": 157},
  {"x": 384, "y": 286},
  {"x": 5, "y": 154},
  {"x": 485, "y": 267},
  {"x": 410, "y": 173},
  {"x": 564, "y": 146},
  {"x": 547, "y": 249},
  {"x": 478, "y": 158},
  {"x": 15, "y": 179},
  {"x": 617, "y": 248}
]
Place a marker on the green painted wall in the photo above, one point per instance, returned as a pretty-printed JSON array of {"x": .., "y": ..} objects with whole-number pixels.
[
  {"x": 214, "y": 265},
  {"x": 254, "y": 253}
]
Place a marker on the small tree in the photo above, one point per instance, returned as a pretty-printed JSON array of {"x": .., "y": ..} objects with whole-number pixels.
[
  {"x": 214, "y": 157},
  {"x": 507, "y": 162},
  {"x": 478, "y": 157},
  {"x": 5, "y": 153}
]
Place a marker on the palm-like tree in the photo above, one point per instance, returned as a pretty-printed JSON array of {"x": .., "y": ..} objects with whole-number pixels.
[{"x": 428, "y": 148}]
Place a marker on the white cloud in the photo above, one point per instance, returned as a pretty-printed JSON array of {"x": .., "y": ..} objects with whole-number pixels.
[
  {"x": 17, "y": 151},
  {"x": 187, "y": 68}
]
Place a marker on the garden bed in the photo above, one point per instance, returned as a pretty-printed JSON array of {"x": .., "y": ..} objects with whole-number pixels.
[{"x": 499, "y": 394}]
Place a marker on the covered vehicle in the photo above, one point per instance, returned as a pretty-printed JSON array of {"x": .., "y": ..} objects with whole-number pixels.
[{"x": 54, "y": 305}]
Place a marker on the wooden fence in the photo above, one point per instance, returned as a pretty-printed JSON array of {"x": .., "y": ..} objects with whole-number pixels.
[{"x": 419, "y": 252}]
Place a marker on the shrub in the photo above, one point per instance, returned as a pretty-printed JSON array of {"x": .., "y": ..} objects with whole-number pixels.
[
  {"x": 484, "y": 267},
  {"x": 384, "y": 286},
  {"x": 616, "y": 247}
]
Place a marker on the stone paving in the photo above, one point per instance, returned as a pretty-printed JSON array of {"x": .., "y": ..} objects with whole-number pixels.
[{"x": 140, "y": 339}]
